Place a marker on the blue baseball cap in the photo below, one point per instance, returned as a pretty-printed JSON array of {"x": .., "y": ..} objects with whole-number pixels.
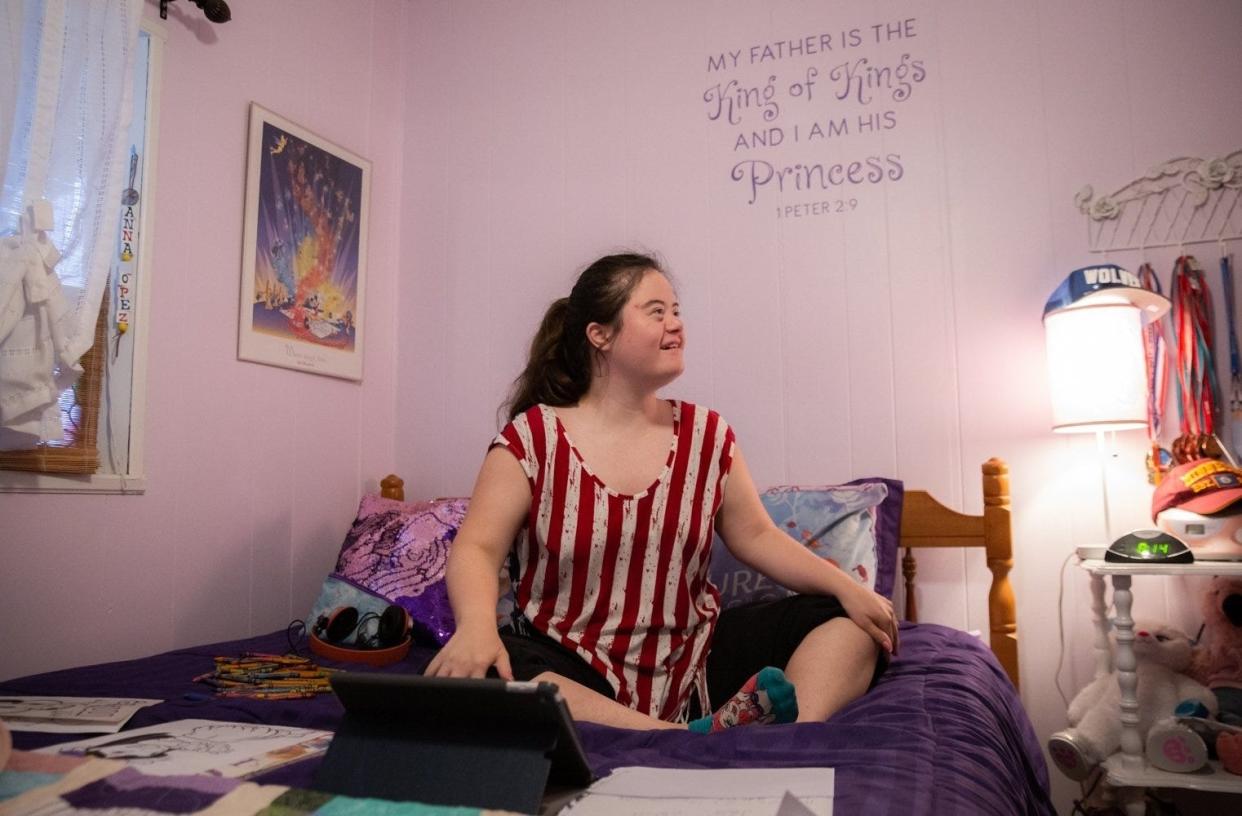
[{"x": 1106, "y": 282}]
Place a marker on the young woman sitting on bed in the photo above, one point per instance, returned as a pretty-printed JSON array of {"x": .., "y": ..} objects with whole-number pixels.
[{"x": 611, "y": 494}]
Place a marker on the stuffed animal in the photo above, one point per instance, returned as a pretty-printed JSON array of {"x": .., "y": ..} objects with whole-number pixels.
[
  {"x": 1161, "y": 654},
  {"x": 1217, "y": 660},
  {"x": 1229, "y": 749}
]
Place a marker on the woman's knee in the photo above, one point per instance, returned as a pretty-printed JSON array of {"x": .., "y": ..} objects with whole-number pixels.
[
  {"x": 845, "y": 633},
  {"x": 549, "y": 677}
]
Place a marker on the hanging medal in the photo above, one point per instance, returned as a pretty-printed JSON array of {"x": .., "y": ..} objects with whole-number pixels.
[
  {"x": 1210, "y": 445},
  {"x": 1183, "y": 353},
  {"x": 1197, "y": 388},
  {"x": 1159, "y": 460}
]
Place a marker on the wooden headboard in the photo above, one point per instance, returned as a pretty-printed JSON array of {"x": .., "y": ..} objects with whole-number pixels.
[{"x": 926, "y": 522}]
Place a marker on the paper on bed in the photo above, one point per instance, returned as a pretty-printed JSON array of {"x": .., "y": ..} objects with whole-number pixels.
[
  {"x": 69, "y": 715},
  {"x": 203, "y": 746},
  {"x": 638, "y": 791}
]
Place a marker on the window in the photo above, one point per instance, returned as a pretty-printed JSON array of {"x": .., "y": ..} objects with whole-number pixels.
[{"x": 103, "y": 413}]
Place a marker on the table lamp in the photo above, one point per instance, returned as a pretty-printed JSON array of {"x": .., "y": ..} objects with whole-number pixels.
[{"x": 1097, "y": 370}]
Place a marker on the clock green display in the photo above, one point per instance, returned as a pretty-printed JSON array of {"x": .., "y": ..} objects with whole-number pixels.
[{"x": 1149, "y": 547}]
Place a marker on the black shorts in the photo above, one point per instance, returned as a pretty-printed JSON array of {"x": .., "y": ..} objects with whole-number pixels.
[{"x": 747, "y": 638}]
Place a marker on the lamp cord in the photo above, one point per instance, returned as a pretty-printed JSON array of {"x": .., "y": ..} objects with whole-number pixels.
[
  {"x": 1061, "y": 629},
  {"x": 1103, "y": 456}
]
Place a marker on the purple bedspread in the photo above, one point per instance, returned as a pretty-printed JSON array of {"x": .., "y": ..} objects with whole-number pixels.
[{"x": 941, "y": 732}]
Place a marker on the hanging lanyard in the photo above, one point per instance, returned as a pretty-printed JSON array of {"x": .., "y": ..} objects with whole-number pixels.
[
  {"x": 125, "y": 274},
  {"x": 1157, "y": 360},
  {"x": 1235, "y": 366},
  {"x": 1196, "y": 380},
  {"x": 1155, "y": 351}
]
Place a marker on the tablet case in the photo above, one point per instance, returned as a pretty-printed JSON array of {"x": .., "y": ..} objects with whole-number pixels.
[{"x": 473, "y": 743}]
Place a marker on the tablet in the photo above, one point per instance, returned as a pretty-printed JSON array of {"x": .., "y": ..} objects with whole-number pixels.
[{"x": 473, "y": 742}]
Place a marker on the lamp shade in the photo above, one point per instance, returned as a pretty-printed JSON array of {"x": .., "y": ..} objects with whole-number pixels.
[{"x": 1096, "y": 368}]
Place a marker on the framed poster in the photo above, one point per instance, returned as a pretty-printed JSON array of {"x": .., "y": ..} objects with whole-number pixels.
[{"x": 304, "y": 251}]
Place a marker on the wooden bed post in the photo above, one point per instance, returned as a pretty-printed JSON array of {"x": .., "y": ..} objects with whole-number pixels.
[
  {"x": 392, "y": 486},
  {"x": 925, "y": 522},
  {"x": 998, "y": 543},
  {"x": 910, "y": 568}
]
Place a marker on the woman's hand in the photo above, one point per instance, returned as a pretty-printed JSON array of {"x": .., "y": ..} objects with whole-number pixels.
[
  {"x": 753, "y": 539},
  {"x": 470, "y": 653},
  {"x": 498, "y": 507},
  {"x": 872, "y": 612}
]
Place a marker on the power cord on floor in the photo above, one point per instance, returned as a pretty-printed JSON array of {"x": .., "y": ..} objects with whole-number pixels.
[{"x": 1079, "y": 806}]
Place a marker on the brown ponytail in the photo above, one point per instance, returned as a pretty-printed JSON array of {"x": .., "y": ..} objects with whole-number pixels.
[{"x": 558, "y": 370}]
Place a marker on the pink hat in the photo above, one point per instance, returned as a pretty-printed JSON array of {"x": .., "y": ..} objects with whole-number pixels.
[{"x": 1204, "y": 486}]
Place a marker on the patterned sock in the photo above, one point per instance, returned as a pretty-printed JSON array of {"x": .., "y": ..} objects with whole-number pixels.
[{"x": 766, "y": 697}]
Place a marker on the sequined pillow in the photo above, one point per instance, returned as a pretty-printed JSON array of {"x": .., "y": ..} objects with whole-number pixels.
[{"x": 398, "y": 551}]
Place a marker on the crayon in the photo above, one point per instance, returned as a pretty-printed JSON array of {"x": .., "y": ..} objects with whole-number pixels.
[
  {"x": 279, "y": 675},
  {"x": 261, "y": 691},
  {"x": 288, "y": 659}
]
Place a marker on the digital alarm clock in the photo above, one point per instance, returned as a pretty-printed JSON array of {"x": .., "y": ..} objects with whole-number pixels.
[{"x": 1149, "y": 547}]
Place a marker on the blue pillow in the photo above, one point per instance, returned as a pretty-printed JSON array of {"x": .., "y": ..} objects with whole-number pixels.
[{"x": 854, "y": 525}]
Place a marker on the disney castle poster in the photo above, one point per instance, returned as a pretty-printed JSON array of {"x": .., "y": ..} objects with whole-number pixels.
[{"x": 304, "y": 255}]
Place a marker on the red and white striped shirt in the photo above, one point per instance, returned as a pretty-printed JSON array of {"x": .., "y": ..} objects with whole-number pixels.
[{"x": 622, "y": 579}]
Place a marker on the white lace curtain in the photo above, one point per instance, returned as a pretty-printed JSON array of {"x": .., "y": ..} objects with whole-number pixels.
[{"x": 66, "y": 84}]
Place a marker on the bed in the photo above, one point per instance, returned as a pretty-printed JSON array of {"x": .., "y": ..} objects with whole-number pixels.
[{"x": 942, "y": 731}]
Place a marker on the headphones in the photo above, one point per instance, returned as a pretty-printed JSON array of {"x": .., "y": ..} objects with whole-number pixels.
[{"x": 388, "y": 643}]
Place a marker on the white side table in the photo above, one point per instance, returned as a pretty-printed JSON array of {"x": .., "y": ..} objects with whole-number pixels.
[{"x": 1127, "y": 770}]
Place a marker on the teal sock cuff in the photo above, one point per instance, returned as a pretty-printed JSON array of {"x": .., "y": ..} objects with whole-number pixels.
[
  {"x": 780, "y": 694},
  {"x": 703, "y": 725}
]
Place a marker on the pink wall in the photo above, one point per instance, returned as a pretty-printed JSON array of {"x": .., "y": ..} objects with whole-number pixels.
[
  {"x": 513, "y": 142},
  {"x": 253, "y": 472},
  {"x": 902, "y": 338}
]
